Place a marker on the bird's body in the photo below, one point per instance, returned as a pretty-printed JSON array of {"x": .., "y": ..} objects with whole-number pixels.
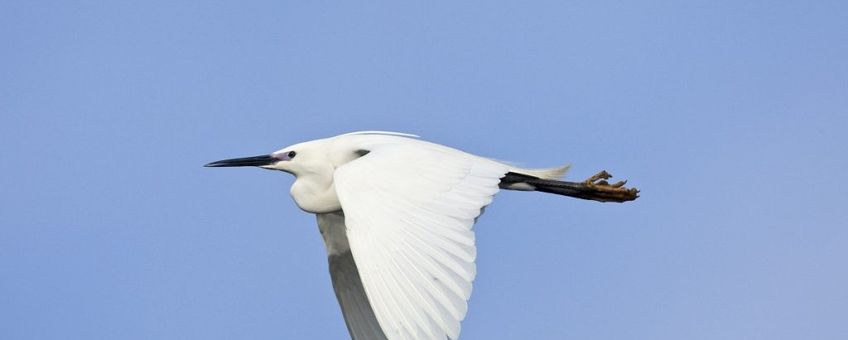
[
  {"x": 314, "y": 188},
  {"x": 396, "y": 214}
]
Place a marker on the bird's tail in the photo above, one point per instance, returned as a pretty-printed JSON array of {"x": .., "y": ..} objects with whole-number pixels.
[
  {"x": 595, "y": 188},
  {"x": 547, "y": 173}
]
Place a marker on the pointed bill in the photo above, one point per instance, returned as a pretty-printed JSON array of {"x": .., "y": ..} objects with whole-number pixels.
[{"x": 245, "y": 161}]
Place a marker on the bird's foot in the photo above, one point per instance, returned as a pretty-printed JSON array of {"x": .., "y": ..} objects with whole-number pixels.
[{"x": 615, "y": 191}]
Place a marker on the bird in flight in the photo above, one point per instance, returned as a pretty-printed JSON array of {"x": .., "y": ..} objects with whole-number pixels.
[{"x": 397, "y": 213}]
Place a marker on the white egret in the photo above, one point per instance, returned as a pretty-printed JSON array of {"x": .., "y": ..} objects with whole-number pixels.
[{"x": 396, "y": 215}]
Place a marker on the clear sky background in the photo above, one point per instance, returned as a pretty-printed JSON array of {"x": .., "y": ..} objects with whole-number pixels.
[{"x": 731, "y": 116}]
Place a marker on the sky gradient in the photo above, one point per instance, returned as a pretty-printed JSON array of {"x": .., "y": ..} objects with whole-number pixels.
[{"x": 731, "y": 117}]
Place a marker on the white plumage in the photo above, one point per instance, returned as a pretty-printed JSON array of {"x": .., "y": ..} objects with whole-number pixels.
[
  {"x": 396, "y": 214},
  {"x": 409, "y": 210}
]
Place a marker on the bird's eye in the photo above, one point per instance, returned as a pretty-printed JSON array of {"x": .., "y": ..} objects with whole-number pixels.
[{"x": 291, "y": 154}]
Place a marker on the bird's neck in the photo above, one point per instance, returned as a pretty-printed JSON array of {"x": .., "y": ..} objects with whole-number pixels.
[{"x": 315, "y": 193}]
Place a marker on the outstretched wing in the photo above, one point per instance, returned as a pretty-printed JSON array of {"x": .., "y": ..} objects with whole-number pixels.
[
  {"x": 409, "y": 210},
  {"x": 359, "y": 317}
]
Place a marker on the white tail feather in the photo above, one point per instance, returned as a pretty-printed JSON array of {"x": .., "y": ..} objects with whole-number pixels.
[{"x": 548, "y": 173}]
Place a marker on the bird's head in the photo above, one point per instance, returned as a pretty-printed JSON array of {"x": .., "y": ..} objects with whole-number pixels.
[{"x": 298, "y": 159}]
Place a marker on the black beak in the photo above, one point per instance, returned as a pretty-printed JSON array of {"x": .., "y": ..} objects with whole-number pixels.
[{"x": 246, "y": 161}]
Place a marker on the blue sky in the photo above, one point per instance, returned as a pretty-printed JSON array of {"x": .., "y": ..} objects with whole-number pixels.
[{"x": 730, "y": 116}]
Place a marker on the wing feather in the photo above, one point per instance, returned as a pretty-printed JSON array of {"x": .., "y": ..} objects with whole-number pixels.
[
  {"x": 359, "y": 317},
  {"x": 409, "y": 211}
]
